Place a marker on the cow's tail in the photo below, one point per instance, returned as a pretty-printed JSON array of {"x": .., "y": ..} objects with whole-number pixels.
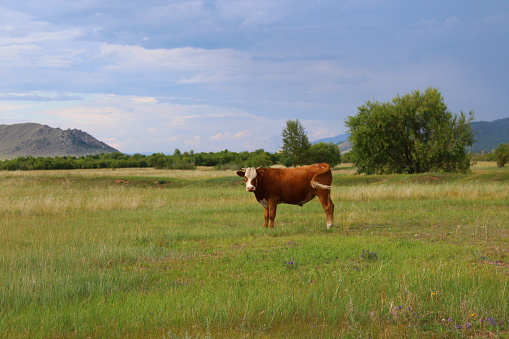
[{"x": 314, "y": 183}]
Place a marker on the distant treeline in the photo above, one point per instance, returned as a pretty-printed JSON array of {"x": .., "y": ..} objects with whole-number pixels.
[{"x": 187, "y": 160}]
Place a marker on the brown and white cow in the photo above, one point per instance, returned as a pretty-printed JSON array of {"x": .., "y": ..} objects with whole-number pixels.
[{"x": 296, "y": 186}]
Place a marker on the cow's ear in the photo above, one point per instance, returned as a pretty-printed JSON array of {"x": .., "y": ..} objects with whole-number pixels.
[{"x": 241, "y": 173}]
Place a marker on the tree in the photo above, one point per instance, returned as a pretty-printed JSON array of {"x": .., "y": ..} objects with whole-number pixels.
[
  {"x": 413, "y": 133},
  {"x": 157, "y": 160},
  {"x": 325, "y": 152},
  {"x": 295, "y": 144},
  {"x": 258, "y": 159},
  {"x": 502, "y": 155}
]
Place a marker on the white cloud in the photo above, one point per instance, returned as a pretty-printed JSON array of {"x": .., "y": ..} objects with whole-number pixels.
[
  {"x": 252, "y": 13},
  {"x": 194, "y": 142},
  {"x": 17, "y": 55},
  {"x": 145, "y": 100},
  {"x": 38, "y": 38},
  {"x": 230, "y": 72},
  {"x": 39, "y": 96},
  {"x": 182, "y": 58},
  {"x": 229, "y": 135},
  {"x": 8, "y": 108},
  {"x": 184, "y": 65}
]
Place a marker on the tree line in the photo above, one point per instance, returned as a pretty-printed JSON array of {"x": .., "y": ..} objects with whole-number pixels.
[
  {"x": 413, "y": 133},
  {"x": 178, "y": 160},
  {"x": 222, "y": 160}
]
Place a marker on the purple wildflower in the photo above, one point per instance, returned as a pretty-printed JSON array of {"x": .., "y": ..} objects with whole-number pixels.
[
  {"x": 492, "y": 321},
  {"x": 290, "y": 263},
  {"x": 369, "y": 255}
]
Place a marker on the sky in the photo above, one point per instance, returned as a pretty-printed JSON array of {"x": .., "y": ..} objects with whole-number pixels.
[{"x": 208, "y": 75}]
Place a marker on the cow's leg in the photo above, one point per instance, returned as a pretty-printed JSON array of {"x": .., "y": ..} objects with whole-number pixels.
[
  {"x": 272, "y": 212},
  {"x": 266, "y": 217},
  {"x": 328, "y": 207}
]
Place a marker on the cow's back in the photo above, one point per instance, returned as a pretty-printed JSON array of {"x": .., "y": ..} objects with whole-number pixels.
[{"x": 292, "y": 185}]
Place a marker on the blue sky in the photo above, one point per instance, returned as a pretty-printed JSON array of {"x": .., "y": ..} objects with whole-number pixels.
[{"x": 209, "y": 75}]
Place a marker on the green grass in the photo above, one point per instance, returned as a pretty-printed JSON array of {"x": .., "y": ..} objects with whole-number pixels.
[{"x": 152, "y": 254}]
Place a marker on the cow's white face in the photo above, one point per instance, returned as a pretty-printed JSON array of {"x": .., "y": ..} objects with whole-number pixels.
[{"x": 249, "y": 175}]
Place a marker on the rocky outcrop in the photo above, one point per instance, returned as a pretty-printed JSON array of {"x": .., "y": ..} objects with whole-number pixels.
[{"x": 31, "y": 139}]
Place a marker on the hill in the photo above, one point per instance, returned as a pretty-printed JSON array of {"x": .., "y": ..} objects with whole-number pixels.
[
  {"x": 31, "y": 139},
  {"x": 488, "y": 136},
  {"x": 338, "y": 139},
  {"x": 341, "y": 140}
]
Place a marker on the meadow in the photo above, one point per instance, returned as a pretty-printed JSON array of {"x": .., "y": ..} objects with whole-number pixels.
[{"x": 144, "y": 253}]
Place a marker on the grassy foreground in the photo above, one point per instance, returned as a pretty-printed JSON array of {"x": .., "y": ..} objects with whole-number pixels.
[{"x": 182, "y": 254}]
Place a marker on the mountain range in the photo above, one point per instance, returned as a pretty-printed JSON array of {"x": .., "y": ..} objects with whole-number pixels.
[
  {"x": 488, "y": 136},
  {"x": 31, "y": 139},
  {"x": 341, "y": 140}
]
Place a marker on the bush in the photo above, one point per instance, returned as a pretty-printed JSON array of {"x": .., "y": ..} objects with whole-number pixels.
[{"x": 502, "y": 154}]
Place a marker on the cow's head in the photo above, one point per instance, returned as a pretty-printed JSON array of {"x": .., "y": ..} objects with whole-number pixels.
[{"x": 250, "y": 175}]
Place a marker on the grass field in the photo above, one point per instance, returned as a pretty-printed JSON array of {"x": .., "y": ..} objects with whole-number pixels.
[{"x": 143, "y": 253}]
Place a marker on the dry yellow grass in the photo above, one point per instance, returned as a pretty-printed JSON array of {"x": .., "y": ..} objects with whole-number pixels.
[
  {"x": 200, "y": 173},
  {"x": 467, "y": 191},
  {"x": 61, "y": 201}
]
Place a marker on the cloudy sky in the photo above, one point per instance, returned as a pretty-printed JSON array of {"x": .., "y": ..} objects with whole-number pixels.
[{"x": 206, "y": 75}]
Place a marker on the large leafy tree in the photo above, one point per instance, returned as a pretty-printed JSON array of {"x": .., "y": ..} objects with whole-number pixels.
[
  {"x": 295, "y": 144},
  {"x": 325, "y": 152},
  {"x": 413, "y": 133}
]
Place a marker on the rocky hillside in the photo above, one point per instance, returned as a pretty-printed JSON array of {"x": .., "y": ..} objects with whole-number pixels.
[{"x": 43, "y": 141}]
